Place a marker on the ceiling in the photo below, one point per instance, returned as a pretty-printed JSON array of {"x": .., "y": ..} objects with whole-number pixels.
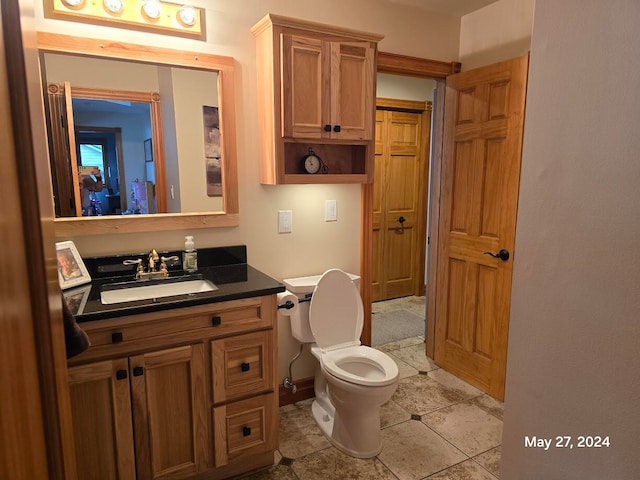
[{"x": 457, "y": 8}]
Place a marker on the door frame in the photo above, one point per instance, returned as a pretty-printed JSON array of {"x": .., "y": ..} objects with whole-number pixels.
[{"x": 422, "y": 68}]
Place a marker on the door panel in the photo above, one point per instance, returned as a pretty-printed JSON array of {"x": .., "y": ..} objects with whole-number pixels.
[
  {"x": 484, "y": 116},
  {"x": 169, "y": 403},
  {"x": 101, "y": 406},
  {"x": 302, "y": 60}
]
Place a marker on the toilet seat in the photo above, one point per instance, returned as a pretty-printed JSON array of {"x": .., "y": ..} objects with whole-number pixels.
[
  {"x": 360, "y": 365},
  {"x": 336, "y": 317}
]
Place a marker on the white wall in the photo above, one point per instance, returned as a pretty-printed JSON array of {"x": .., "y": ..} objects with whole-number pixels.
[
  {"x": 405, "y": 88},
  {"x": 497, "y": 32},
  {"x": 314, "y": 245},
  {"x": 574, "y": 341}
]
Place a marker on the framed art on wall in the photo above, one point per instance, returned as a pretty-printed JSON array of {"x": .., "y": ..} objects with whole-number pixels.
[{"x": 71, "y": 269}]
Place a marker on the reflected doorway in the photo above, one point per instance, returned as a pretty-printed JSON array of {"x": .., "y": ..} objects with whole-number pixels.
[{"x": 400, "y": 206}]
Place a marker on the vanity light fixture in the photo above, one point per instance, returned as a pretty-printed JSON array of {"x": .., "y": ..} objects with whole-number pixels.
[
  {"x": 113, "y": 6},
  {"x": 152, "y": 9},
  {"x": 155, "y": 16}
]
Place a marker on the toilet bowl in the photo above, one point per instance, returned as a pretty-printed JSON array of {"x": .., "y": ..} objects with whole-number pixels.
[{"x": 352, "y": 381}]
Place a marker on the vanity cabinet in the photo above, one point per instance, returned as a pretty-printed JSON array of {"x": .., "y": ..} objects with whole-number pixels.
[
  {"x": 177, "y": 393},
  {"x": 316, "y": 91}
]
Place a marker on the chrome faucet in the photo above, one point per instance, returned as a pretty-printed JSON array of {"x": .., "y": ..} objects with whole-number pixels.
[{"x": 156, "y": 266}]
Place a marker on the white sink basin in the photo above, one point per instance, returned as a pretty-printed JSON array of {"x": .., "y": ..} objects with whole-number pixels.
[{"x": 158, "y": 290}]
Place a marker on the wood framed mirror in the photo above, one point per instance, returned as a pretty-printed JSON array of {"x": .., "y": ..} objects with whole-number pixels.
[{"x": 183, "y": 175}]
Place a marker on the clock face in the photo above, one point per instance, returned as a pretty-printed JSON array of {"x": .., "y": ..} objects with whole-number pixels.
[{"x": 312, "y": 164}]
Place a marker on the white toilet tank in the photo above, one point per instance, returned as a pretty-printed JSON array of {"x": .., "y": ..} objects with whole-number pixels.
[{"x": 302, "y": 287}]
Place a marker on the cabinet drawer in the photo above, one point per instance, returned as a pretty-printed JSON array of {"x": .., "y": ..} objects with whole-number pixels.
[
  {"x": 125, "y": 335},
  {"x": 242, "y": 365},
  {"x": 245, "y": 428}
]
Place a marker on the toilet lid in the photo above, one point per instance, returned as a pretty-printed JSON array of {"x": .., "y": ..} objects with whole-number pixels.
[{"x": 335, "y": 313}]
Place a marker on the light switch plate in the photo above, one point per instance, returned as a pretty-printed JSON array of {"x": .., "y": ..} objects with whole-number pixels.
[
  {"x": 330, "y": 211},
  {"x": 285, "y": 218}
]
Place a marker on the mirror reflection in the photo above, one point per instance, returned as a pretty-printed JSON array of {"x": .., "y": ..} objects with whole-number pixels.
[{"x": 129, "y": 138}]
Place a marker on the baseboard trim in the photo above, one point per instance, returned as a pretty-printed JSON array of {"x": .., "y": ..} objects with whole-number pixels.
[{"x": 304, "y": 390}]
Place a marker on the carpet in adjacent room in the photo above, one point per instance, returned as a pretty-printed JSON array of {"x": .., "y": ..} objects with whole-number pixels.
[{"x": 395, "y": 325}]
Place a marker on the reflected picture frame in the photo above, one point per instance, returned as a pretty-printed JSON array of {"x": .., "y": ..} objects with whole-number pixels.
[
  {"x": 148, "y": 150},
  {"x": 71, "y": 269}
]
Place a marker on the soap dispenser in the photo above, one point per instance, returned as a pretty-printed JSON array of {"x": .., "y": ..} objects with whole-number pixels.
[{"x": 189, "y": 256}]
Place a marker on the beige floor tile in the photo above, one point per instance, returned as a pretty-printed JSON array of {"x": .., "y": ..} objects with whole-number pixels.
[
  {"x": 299, "y": 433},
  {"x": 415, "y": 356},
  {"x": 490, "y": 460},
  {"x": 405, "y": 342},
  {"x": 454, "y": 383},
  {"x": 404, "y": 369},
  {"x": 467, "y": 426},
  {"x": 421, "y": 394},
  {"x": 391, "y": 413},
  {"x": 468, "y": 470},
  {"x": 490, "y": 405},
  {"x": 333, "y": 464},
  {"x": 412, "y": 451}
]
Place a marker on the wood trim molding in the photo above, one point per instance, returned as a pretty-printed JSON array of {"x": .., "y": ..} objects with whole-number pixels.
[
  {"x": 414, "y": 66},
  {"x": 393, "y": 103},
  {"x": 304, "y": 390}
]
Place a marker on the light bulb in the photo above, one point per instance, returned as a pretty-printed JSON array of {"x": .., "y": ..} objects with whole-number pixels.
[
  {"x": 113, "y": 6},
  {"x": 152, "y": 9},
  {"x": 73, "y": 3},
  {"x": 187, "y": 15}
]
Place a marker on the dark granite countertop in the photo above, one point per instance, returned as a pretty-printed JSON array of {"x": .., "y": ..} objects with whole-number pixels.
[{"x": 225, "y": 267}]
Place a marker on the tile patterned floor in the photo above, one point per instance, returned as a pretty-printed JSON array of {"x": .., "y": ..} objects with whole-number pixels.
[{"x": 434, "y": 427}]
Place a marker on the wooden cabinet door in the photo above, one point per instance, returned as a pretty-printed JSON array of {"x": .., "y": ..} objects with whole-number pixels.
[
  {"x": 352, "y": 90},
  {"x": 101, "y": 406},
  {"x": 168, "y": 389},
  {"x": 327, "y": 89},
  {"x": 305, "y": 96}
]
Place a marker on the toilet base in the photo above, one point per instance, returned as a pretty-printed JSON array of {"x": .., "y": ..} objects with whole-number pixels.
[{"x": 326, "y": 422}]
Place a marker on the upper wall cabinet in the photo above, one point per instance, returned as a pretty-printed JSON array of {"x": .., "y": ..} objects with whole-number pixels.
[{"x": 316, "y": 95}]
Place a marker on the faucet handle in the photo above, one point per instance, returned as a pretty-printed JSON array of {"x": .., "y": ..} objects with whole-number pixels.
[{"x": 133, "y": 262}]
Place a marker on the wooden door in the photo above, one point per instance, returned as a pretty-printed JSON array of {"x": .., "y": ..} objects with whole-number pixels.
[
  {"x": 352, "y": 90},
  {"x": 399, "y": 213},
  {"x": 168, "y": 389},
  {"x": 102, "y": 428},
  {"x": 484, "y": 117}
]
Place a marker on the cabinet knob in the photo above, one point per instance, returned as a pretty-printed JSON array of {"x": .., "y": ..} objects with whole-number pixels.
[
  {"x": 245, "y": 367},
  {"x": 246, "y": 431},
  {"x": 137, "y": 371},
  {"x": 117, "y": 337},
  {"x": 327, "y": 128},
  {"x": 217, "y": 320},
  {"x": 121, "y": 374},
  {"x": 337, "y": 128}
]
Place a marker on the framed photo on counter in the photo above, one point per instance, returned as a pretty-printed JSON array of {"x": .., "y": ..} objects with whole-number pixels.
[{"x": 71, "y": 269}]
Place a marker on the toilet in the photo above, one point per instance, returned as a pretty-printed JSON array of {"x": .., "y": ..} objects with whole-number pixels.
[{"x": 352, "y": 381}]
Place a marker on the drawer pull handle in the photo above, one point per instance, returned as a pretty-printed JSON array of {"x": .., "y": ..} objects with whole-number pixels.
[
  {"x": 246, "y": 431},
  {"x": 217, "y": 320},
  {"x": 245, "y": 367},
  {"x": 117, "y": 337},
  {"x": 121, "y": 374},
  {"x": 137, "y": 371}
]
